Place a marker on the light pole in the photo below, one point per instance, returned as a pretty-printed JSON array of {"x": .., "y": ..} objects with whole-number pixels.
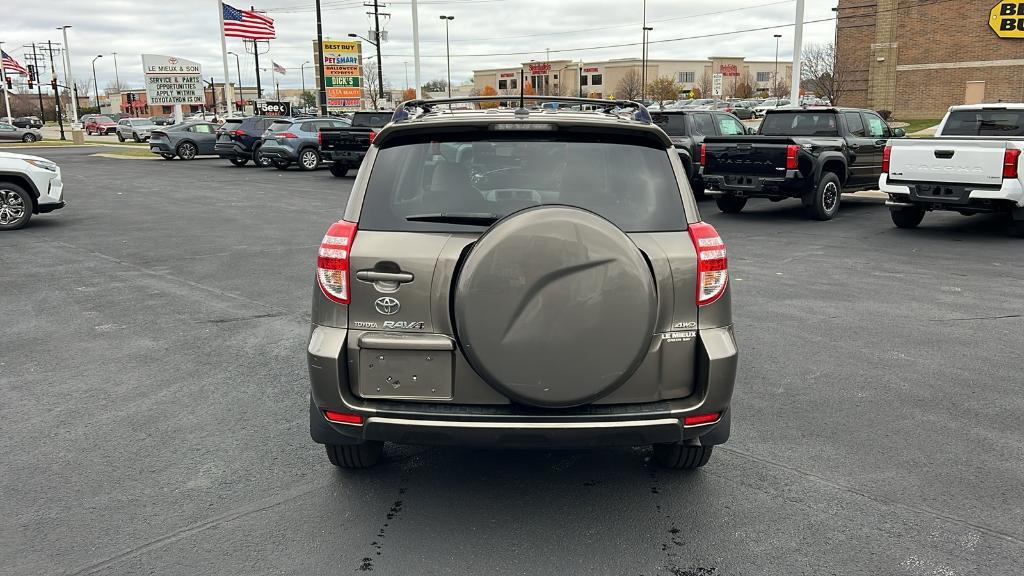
[
  {"x": 775, "y": 78},
  {"x": 380, "y": 70},
  {"x": 95, "y": 86},
  {"x": 69, "y": 75},
  {"x": 406, "y": 75},
  {"x": 302, "y": 72},
  {"x": 448, "y": 51},
  {"x": 238, "y": 68},
  {"x": 643, "y": 77}
]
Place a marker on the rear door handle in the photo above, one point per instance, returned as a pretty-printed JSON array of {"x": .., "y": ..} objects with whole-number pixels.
[
  {"x": 854, "y": 146},
  {"x": 376, "y": 276}
]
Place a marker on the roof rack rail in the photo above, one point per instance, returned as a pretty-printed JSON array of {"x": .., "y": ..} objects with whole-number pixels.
[{"x": 403, "y": 111}]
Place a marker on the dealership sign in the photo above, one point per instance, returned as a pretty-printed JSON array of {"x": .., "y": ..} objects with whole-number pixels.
[
  {"x": 343, "y": 73},
  {"x": 729, "y": 70},
  {"x": 1007, "y": 19},
  {"x": 272, "y": 108},
  {"x": 172, "y": 80},
  {"x": 540, "y": 68}
]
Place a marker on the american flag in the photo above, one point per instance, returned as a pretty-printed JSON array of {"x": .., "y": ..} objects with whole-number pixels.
[
  {"x": 247, "y": 24},
  {"x": 278, "y": 68},
  {"x": 12, "y": 65}
]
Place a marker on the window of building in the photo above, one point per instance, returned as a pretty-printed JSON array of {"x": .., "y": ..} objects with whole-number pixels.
[
  {"x": 764, "y": 77},
  {"x": 596, "y": 79},
  {"x": 687, "y": 77},
  {"x": 583, "y": 80},
  {"x": 502, "y": 84},
  {"x": 513, "y": 84},
  {"x": 168, "y": 109}
]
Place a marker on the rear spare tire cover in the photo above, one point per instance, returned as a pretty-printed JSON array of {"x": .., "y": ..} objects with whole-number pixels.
[{"x": 555, "y": 306}]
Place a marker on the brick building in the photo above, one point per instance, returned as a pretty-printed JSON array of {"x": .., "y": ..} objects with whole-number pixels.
[
  {"x": 918, "y": 57},
  {"x": 600, "y": 79}
]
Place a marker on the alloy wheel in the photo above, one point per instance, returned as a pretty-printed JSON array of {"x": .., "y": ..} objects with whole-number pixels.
[
  {"x": 309, "y": 159},
  {"x": 12, "y": 207},
  {"x": 829, "y": 197}
]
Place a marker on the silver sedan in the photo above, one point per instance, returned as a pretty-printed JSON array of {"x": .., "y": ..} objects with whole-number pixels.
[{"x": 12, "y": 132}]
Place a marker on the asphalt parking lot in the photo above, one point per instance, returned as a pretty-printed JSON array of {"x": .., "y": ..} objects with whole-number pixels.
[{"x": 155, "y": 414}]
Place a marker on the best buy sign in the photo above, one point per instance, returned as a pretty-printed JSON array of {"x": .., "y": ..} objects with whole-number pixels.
[{"x": 1007, "y": 19}]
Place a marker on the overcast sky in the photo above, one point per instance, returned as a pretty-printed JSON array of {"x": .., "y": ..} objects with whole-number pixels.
[{"x": 484, "y": 34}]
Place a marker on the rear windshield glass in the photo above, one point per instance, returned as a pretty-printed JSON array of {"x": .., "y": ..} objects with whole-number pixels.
[
  {"x": 799, "y": 124},
  {"x": 371, "y": 120},
  {"x": 672, "y": 124},
  {"x": 631, "y": 185},
  {"x": 985, "y": 123}
]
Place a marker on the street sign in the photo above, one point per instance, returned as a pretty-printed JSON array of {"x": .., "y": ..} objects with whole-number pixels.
[
  {"x": 1007, "y": 19},
  {"x": 272, "y": 108},
  {"x": 171, "y": 80},
  {"x": 343, "y": 73},
  {"x": 716, "y": 84}
]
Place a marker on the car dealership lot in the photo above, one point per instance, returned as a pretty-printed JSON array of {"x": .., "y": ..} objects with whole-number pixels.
[{"x": 155, "y": 404}]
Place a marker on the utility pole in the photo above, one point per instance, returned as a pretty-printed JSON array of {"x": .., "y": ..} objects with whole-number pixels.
[
  {"x": 321, "y": 81},
  {"x": 448, "y": 51},
  {"x": 775, "y": 78},
  {"x": 56, "y": 89},
  {"x": 643, "y": 55},
  {"x": 798, "y": 40},
  {"x": 377, "y": 40},
  {"x": 238, "y": 68},
  {"x": 69, "y": 75},
  {"x": 39, "y": 87},
  {"x": 415, "y": 47}
]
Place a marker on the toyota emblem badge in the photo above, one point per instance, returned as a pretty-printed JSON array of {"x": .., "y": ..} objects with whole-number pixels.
[{"x": 387, "y": 305}]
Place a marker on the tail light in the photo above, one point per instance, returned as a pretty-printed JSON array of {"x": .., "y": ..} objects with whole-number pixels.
[
  {"x": 346, "y": 418},
  {"x": 886, "y": 155},
  {"x": 332, "y": 261},
  {"x": 238, "y": 133},
  {"x": 712, "y": 264},
  {"x": 703, "y": 153},
  {"x": 1010, "y": 158},
  {"x": 698, "y": 419},
  {"x": 791, "y": 152},
  {"x": 285, "y": 135},
  {"x": 319, "y": 138},
  {"x": 373, "y": 136}
]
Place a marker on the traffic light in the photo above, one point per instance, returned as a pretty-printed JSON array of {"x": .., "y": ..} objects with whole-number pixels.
[
  {"x": 53, "y": 84},
  {"x": 31, "y": 76}
]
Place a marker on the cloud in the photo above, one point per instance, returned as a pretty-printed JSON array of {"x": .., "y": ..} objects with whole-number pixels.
[{"x": 481, "y": 31}]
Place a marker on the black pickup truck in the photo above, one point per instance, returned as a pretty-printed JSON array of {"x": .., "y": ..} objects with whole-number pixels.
[
  {"x": 814, "y": 154},
  {"x": 345, "y": 147},
  {"x": 687, "y": 130}
]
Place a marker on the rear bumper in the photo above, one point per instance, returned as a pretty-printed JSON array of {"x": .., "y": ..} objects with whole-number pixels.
[
  {"x": 44, "y": 208},
  {"x": 511, "y": 425},
  {"x": 162, "y": 147},
  {"x": 278, "y": 152},
  {"x": 230, "y": 150},
  {"x": 754, "y": 186},
  {"x": 350, "y": 157},
  {"x": 953, "y": 196}
]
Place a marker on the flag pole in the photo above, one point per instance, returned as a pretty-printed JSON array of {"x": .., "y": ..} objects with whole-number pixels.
[
  {"x": 229, "y": 92},
  {"x": 3, "y": 79}
]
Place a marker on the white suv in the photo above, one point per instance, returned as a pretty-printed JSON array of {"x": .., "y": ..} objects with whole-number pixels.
[{"x": 28, "y": 185}]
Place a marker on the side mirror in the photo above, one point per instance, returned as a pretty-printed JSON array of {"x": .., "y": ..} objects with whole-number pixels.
[
  {"x": 751, "y": 130},
  {"x": 898, "y": 133}
]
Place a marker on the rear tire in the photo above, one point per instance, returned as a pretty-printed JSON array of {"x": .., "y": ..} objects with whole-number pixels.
[
  {"x": 29, "y": 138},
  {"x": 680, "y": 457},
  {"x": 187, "y": 151},
  {"x": 309, "y": 159},
  {"x": 239, "y": 161},
  {"x": 339, "y": 170},
  {"x": 355, "y": 456},
  {"x": 259, "y": 159},
  {"x": 120, "y": 138},
  {"x": 823, "y": 202},
  {"x": 906, "y": 217},
  {"x": 281, "y": 164},
  {"x": 731, "y": 204},
  {"x": 15, "y": 206}
]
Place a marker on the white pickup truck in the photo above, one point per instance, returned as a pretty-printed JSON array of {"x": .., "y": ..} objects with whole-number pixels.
[{"x": 972, "y": 165}]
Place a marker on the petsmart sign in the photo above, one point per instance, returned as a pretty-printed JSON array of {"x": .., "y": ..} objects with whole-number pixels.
[{"x": 172, "y": 80}]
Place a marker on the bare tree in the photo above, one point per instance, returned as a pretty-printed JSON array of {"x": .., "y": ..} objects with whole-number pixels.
[
  {"x": 744, "y": 86},
  {"x": 822, "y": 73},
  {"x": 373, "y": 91},
  {"x": 703, "y": 84},
  {"x": 113, "y": 87},
  {"x": 630, "y": 86},
  {"x": 781, "y": 89}
]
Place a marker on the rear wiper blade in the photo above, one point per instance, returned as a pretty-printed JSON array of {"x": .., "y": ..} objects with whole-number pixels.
[{"x": 470, "y": 218}]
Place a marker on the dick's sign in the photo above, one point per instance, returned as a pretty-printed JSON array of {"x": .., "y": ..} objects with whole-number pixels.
[{"x": 1007, "y": 19}]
